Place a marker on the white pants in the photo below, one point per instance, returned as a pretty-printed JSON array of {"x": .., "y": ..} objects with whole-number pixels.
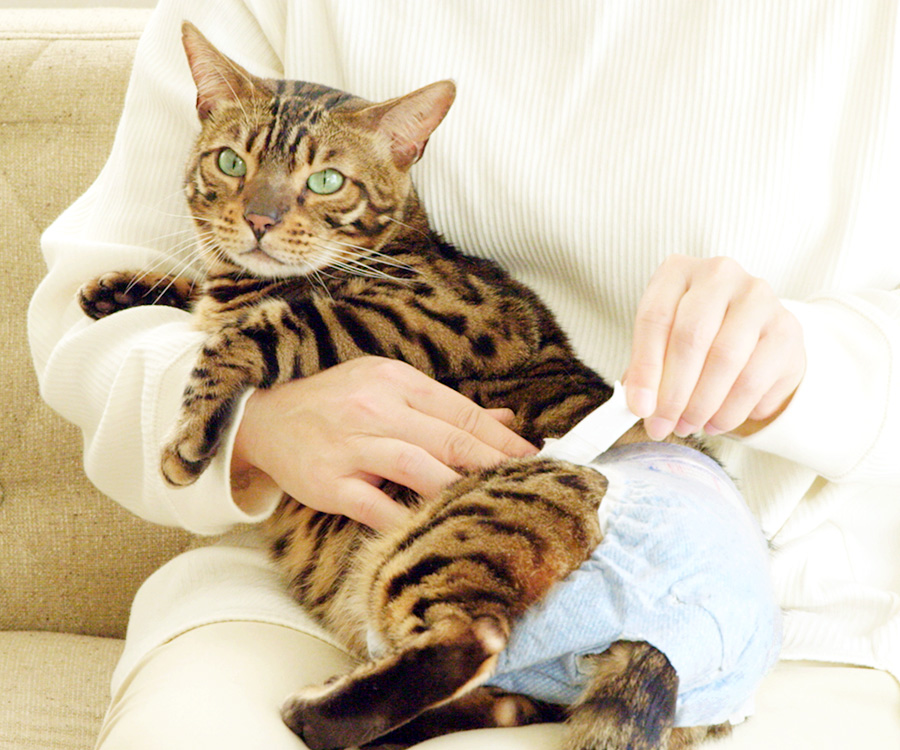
[{"x": 215, "y": 675}]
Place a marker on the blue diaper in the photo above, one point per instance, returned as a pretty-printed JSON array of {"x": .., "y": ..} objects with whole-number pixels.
[{"x": 682, "y": 565}]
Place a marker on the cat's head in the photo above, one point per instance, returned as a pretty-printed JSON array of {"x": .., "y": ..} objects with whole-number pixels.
[{"x": 290, "y": 177}]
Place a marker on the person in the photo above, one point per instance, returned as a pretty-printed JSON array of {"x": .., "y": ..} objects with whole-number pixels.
[{"x": 704, "y": 193}]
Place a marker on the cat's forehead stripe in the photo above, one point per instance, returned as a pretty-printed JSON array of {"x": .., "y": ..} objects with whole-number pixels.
[
  {"x": 296, "y": 107},
  {"x": 310, "y": 93},
  {"x": 251, "y": 139}
]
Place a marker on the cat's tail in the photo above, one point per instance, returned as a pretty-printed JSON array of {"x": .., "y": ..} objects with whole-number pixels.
[{"x": 629, "y": 701}]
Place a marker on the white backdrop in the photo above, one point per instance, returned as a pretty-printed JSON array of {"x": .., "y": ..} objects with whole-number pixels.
[{"x": 77, "y": 3}]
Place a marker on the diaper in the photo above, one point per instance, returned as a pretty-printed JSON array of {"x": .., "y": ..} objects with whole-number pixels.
[{"x": 683, "y": 566}]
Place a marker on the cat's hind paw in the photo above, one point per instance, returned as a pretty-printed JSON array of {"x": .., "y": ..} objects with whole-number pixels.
[
  {"x": 322, "y": 727},
  {"x": 483, "y": 707},
  {"x": 355, "y": 709},
  {"x": 121, "y": 290}
]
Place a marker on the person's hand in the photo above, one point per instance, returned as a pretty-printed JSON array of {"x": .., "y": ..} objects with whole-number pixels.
[
  {"x": 331, "y": 439},
  {"x": 713, "y": 349}
]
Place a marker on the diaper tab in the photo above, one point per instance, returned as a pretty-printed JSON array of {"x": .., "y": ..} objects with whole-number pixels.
[{"x": 595, "y": 433}]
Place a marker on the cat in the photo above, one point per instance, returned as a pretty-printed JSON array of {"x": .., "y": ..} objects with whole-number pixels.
[{"x": 318, "y": 251}]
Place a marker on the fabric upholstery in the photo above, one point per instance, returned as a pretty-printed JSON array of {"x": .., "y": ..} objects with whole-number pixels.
[
  {"x": 70, "y": 560},
  {"x": 60, "y": 689}
]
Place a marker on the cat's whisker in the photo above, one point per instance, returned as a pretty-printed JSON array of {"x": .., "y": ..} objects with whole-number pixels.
[
  {"x": 357, "y": 266},
  {"x": 183, "y": 236},
  {"x": 186, "y": 240},
  {"x": 186, "y": 227},
  {"x": 176, "y": 261},
  {"x": 369, "y": 252},
  {"x": 165, "y": 205},
  {"x": 209, "y": 251},
  {"x": 169, "y": 211},
  {"x": 186, "y": 248},
  {"x": 149, "y": 270},
  {"x": 365, "y": 253},
  {"x": 180, "y": 269},
  {"x": 408, "y": 226},
  {"x": 165, "y": 289},
  {"x": 317, "y": 274},
  {"x": 362, "y": 268},
  {"x": 364, "y": 271}
]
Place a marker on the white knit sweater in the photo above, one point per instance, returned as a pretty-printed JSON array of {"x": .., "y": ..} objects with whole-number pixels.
[{"x": 589, "y": 141}]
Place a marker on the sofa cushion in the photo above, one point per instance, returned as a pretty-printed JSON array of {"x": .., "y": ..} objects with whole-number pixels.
[
  {"x": 70, "y": 559},
  {"x": 53, "y": 689}
]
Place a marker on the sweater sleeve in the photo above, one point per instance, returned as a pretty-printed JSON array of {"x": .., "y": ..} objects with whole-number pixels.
[
  {"x": 844, "y": 419},
  {"x": 120, "y": 379}
]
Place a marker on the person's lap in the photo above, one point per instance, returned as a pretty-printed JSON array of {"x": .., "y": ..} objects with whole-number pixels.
[{"x": 221, "y": 685}]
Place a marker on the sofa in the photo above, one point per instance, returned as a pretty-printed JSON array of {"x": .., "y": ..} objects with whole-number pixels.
[{"x": 70, "y": 559}]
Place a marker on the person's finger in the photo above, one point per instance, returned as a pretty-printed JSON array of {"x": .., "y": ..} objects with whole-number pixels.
[
  {"x": 726, "y": 359},
  {"x": 395, "y": 400},
  {"x": 761, "y": 389},
  {"x": 406, "y": 464},
  {"x": 449, "y": 406},
  {"x": 653, "y": 323},
  {"x": 698, "y": 319},
  {"x": 365, "y": 503},
  {"x": 504, "y": 416},
  {"x": 450, "y": 445}
]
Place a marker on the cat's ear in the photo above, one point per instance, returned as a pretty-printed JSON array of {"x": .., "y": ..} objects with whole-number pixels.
[
  {"x": 409, "y": 121},
  {"x": 219, "y": 80}
]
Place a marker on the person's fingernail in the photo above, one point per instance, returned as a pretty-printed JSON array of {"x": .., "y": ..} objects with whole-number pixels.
[
  {"x": 658, "y": 428},
  {"x": 524, "y": 451},
  {"x": 641, "y": 401},
  {"x": 683, "y": 428},
  {"x": 712, "y": 431}
]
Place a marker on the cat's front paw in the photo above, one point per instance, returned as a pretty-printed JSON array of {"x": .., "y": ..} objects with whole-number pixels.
[
  {"x": 107, "y": 294},
  {"x": 121, "y": 290},
  {"x": 179, "y": 471},
  {"x": 189, "y": 451}
]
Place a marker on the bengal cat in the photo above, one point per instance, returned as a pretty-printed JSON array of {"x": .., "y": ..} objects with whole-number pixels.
[{"x": 317, "y": 251}]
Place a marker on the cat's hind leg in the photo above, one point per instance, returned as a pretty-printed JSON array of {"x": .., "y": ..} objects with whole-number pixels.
[
  {"x": 629, "y": 702},
  {"x": 441, "y": 664},
  {"x": 484, "y": 707},
  {"x": 121, "y": 290},
  {"x": 443, "y": 591}
]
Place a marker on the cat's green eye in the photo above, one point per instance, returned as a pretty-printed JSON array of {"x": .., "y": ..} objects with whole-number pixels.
[
  {"x": 232, "y": 164},
  {"x": 326, "y": 182}
]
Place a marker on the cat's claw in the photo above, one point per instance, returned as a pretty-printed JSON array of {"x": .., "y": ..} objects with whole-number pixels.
[{"x": 179, "y": 471}]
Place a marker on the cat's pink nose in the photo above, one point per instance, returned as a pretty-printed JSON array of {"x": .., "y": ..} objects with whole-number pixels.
[{"x": 260, "y": 224}]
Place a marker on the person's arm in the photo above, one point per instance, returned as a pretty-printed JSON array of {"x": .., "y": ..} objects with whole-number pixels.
[
  {"x": 120, "y": 379},
  {"x": 815, "y": 381}
]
